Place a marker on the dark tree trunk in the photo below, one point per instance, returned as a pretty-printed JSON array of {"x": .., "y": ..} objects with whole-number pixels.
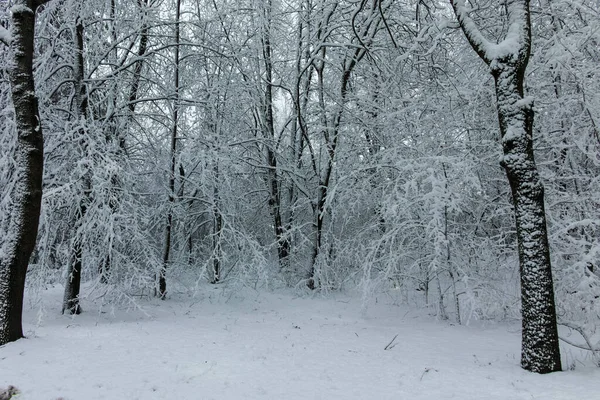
[
  {"x": 73, "y": 284},
  {"x": 137, "y": 72},
  {"x": 508, "y": 61},
  {"x": 18, "y": 242},
  {"x": 162, "y": 279},
  {"x": 540, "y": 348},
  {"x": 283, "y": 242},
  {"x": 217, "y": 229}
]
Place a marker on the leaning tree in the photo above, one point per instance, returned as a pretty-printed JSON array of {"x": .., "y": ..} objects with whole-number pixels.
[{"x": 18, "y": 241}]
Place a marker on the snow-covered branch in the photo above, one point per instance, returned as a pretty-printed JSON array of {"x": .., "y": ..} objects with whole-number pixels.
[
  {"x": 516, "y": 39},
  {"x": 479, "y": 43},
  {"x": 5, "y": 36}
]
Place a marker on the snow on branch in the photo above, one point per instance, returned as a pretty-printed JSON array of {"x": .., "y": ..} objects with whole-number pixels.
[
  {"x": 517, "y": 38},
  {"x": 479, "y": 43},
  {"x": 5, "y": 36},
  {"x": 21, "y": 8}
]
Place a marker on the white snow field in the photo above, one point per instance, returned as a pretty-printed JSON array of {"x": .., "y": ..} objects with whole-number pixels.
[{"x": 274, "y": 345}]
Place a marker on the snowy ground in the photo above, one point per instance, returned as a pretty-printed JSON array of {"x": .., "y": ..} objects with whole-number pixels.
[{"x": 274, "y": 346}]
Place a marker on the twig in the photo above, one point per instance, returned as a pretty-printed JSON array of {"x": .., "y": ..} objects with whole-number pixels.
[
  {"x": 580, "y": 330},
  {"x": 390, "y": 345},
  {"x": 426, "y": 370},
  {"x": 579, "y": 346}
]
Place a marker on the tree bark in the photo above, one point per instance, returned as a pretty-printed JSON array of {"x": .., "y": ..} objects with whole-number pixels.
[
  {"x": 19, "y": 241},
  {"x": 508, "y": 61},
  {"x": 540, "y": 349}
]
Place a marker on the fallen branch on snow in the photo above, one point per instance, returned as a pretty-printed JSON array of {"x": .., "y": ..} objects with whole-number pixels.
[{"x": 390, "y": 345}]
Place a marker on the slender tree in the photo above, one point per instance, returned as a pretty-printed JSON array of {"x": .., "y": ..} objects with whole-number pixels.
[
  {"x": 331, "y": 125},
  {"x": 268, "y": 125},
  {"x": 162, "y": 280},
  {"x": 508, "y": 61},
  {"x": 73, "y": 284}
]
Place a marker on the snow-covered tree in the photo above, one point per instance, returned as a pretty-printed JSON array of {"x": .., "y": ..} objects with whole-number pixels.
[
  {"x": 508, "y": 61},
  {"x": 23, "y": 211}
]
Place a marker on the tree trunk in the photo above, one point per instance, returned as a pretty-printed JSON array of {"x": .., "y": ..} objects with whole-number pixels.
[
  {"x": 217, "y": 229},
  {"x": 19, "y": 241},
  {"x": 508, "y": 61},
  {"x": 73, "y": 284},
  {"x": 137, "y": 71},
  {"x": 283, "y": 242},
  {"x": 540, "y": 350},
  {"x": 299, "y": 130},
  {"x": 162, "y": 280}
]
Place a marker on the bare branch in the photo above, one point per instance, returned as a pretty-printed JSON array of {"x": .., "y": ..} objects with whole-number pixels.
[{"x": 589, "y": 346}]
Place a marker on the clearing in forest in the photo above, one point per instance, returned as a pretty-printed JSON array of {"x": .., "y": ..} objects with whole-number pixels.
[{"x": 274, "y": 345}]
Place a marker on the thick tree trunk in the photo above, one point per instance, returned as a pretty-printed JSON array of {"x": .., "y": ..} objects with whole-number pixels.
[
  {"x": 508, "y": 61},
  {"x": 540, "y": 349},
  {"x": 19, "y": 241}
]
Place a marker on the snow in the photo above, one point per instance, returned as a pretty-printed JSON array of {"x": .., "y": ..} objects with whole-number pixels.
[
  {"x": 5, "y": 36},
  {"x": 272, "y": 346},
  {"x": 20, "y": 8},
  {"x": 510, "y": 46}
]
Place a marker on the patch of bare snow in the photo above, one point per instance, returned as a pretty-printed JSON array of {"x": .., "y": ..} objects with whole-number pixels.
[{"x": 273, "y": 346}]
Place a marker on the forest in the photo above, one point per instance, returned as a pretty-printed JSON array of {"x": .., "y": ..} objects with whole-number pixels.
[{"x": 443, "y": 153}]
